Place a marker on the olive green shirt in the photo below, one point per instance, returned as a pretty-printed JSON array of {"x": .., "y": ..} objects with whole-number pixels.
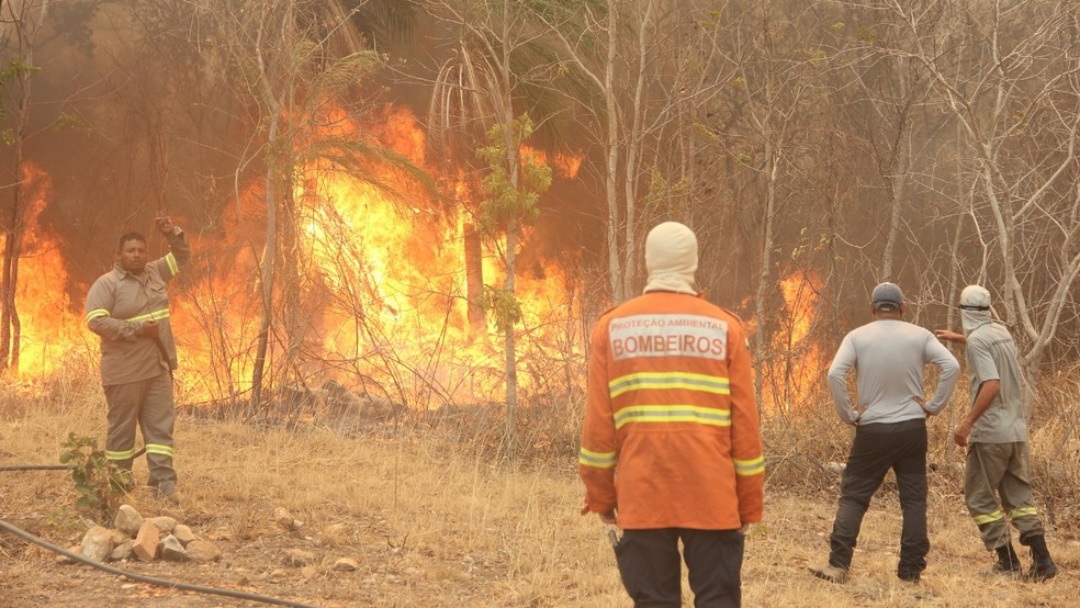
[{"x": 120, "y": 302}]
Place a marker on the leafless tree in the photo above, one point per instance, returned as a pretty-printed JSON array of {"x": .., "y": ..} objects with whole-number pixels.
[{"x": 1016, "y": 101}]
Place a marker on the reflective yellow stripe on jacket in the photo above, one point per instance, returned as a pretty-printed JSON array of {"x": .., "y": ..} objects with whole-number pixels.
[
  {"x": 599, "y": 460},
  {"x": 715, "y": 385},
  {"x": 157, "y": 315},
  {"x": 684, "y": 381},
  {"x": 746, "y": 468},
  {"x": 170, "y": 259},
  {"x": 637, "y": 414},
  {"x": 97, "y": 312}
]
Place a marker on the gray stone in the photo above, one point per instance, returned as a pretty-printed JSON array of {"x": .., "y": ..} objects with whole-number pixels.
[
  {"x": 285, "y": 520},
  {"x": 128, "y": 520},
  {"x": 203, "y": 551},
  {"x": 96, "y": 544},
  {"x": 170, "y": 549},
  {"x": 183, "y": 534},
  {"x": 298, "y": 558},
  {"x": 346, "y": 565},
  {"x": 122, "y": 551},
  {"x": 165, "y": 524}
]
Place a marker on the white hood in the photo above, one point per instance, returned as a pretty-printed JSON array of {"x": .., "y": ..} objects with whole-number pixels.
[
  {"x": 974, "y": 308},
  {"x": 671, "y": 258}
]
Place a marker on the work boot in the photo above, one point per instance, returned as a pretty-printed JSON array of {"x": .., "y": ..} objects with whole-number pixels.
[
  {"x": 168, "y": 493},
  {"x": 909, "y": 577},
  {"x": 122, "y": 480},
  {"x": 1008, "y": 563},
  {"x": 831, "y": 573},
  {"x": 1042, "y": 568}
]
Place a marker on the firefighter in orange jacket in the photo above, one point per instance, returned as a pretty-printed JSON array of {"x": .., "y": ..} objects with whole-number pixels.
[{"x": 671, "y": 447}]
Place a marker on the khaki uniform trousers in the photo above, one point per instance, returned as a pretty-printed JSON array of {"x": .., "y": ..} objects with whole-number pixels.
[
  {"x": 149, "y": 404},
  {"x": 1000, "y": 470}
]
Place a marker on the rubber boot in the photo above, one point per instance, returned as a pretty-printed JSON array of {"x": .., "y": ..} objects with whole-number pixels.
[
  {"x": 1042, "y": 568},
  {"x": 1008, "y": 562}
]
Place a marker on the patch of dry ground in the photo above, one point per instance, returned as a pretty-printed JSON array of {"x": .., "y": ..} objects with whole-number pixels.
[{"x": 433, "y": 525}]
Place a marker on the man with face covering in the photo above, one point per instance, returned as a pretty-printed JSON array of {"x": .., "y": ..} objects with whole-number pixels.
[
  {"x": 671, "y": 447},
  {"x": 997, "y": 484}
]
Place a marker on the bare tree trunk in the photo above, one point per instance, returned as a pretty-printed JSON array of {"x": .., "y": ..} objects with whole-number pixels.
[
  {"x": 615, "y": 270},
  {"x": 290, "y": 275},
  {"x": 267, "y": 274},
  {"x": 511, "y": 345},
  {"x": 12, "y": 250},
  {"x": 633, "y": 154},
  {"x": 896, "y": 201},
  {"x": 765, "y": 279},
  {"x": 950, "y": 318},
  {"x": 513, "y": 160},
  {"x": 474, "y": 275}
]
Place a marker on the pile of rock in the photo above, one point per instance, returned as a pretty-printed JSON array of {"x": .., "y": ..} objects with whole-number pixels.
[{"x": 145, "y": 538}]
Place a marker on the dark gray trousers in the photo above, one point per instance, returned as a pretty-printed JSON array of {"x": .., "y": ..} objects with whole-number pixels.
[
  {"x": 650, "y": 567},
  {"x": 876, "y": 449}
]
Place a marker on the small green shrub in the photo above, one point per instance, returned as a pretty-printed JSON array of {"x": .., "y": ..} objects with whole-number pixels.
[{"x": 100, "y": 484}]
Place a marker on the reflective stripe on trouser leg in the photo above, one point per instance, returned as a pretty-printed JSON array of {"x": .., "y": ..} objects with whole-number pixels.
[
  {"x": 1016, "y": 495},
  {"x": 157, "y": 419},
  {"x": 124, "y": 402},
  {"x": 986, "y": 466}
]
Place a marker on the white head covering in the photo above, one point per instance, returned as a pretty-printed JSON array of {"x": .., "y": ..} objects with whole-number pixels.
[
  {"x": 974, "y": 308},
  {"x": 671, "y": 258}
]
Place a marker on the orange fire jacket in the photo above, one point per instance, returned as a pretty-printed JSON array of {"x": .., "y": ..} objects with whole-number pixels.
[{"x": 671, "y": 436}]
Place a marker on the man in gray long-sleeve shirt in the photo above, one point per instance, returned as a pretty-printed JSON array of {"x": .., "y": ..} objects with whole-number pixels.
[{"x": 889, "y": 356}]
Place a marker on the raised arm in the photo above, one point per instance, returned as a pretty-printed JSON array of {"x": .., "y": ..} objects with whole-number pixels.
[{"x": 179, "y": 249}]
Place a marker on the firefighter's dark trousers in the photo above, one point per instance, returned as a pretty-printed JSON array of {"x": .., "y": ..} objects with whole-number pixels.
[
  {"x": 876, "y": 449},
  {"x": 1000, "y": 469},
  {"x": 149, "y": 404},
  {"x": 650, "y": 567}
]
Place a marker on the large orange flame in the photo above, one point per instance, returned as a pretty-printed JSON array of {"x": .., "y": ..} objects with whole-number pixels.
[
  {"x": 794, "y": 366},
  {"x": 381, "y": 275},
  {"x": 371, "y": 290},
  {"x": 49, "y": 330}
]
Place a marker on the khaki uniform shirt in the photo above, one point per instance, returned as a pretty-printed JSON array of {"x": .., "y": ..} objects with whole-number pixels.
[
  {"x": 991, "y": 355},
  {"x": 120, "y": 302}
]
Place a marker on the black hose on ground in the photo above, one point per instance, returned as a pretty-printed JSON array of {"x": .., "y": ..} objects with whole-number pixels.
[
  {"x": 53, "y": 467},
  {"x": 148, "y": 579}
]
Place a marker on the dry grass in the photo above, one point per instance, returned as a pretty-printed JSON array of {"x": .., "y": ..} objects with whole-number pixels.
[{"x": 433, "y": 521}]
